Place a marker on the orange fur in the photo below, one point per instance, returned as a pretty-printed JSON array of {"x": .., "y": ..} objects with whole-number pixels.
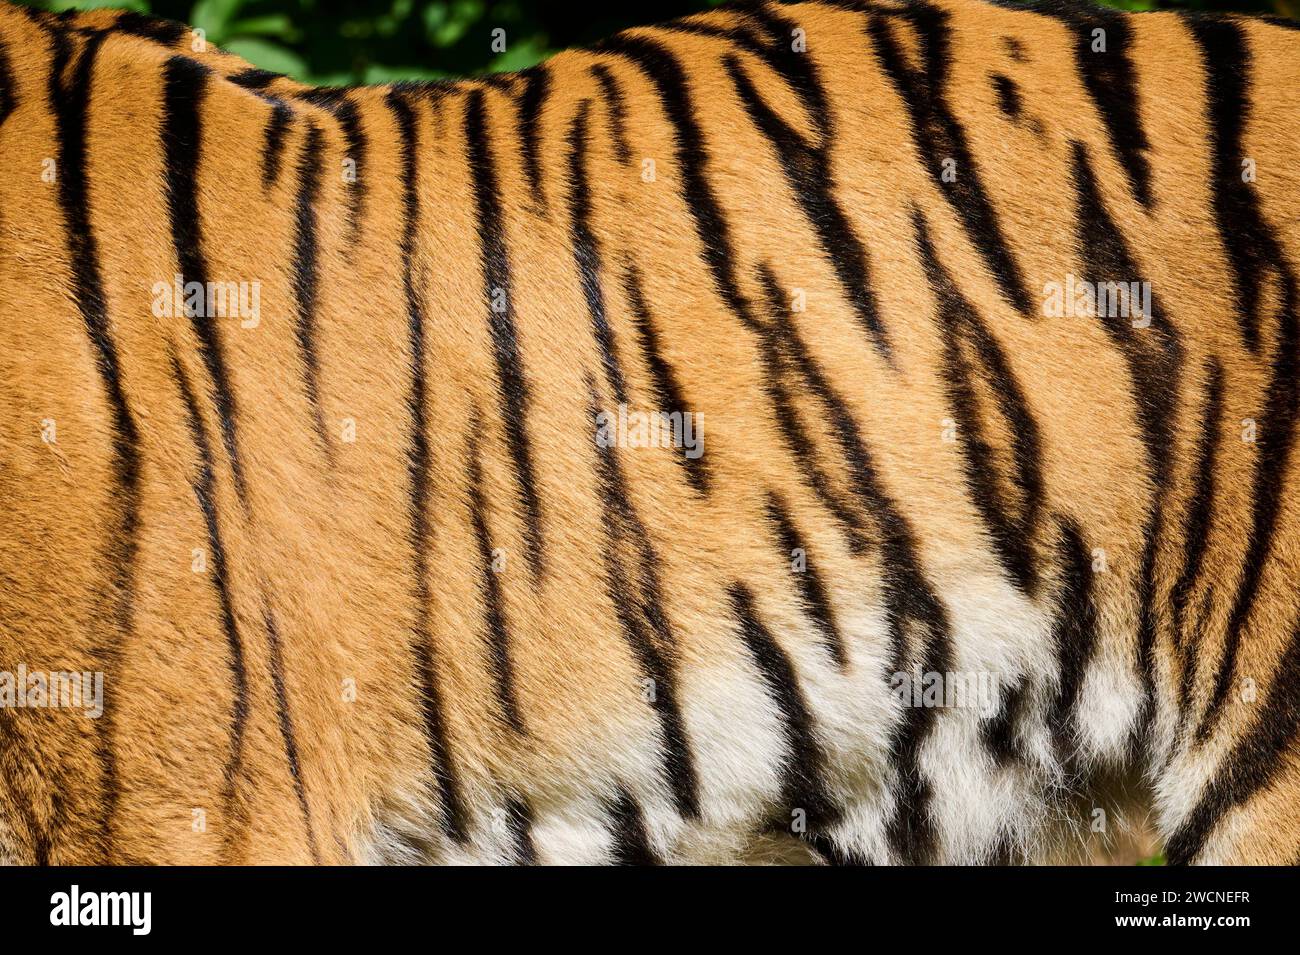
[{"x": 339, "y": 622}]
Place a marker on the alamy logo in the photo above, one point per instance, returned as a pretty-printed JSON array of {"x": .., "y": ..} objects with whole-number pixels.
[
  {"x": 1076, "y": 298},
  {"x": 181, "y": 299},
  {"x": 950, "y": 690},
  {"x": 75, "y": 907},
  {"x": 40, "y": 689},
  {"x": 651, "y": 429}
]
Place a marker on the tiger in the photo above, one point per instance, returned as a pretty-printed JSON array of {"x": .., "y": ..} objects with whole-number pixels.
[{"x": 846, "y": 432}]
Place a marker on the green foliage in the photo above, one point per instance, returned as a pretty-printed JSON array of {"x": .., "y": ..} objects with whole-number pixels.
[
  {"x": 333, "y": 42},
  {"x": 338, "y": 42}
]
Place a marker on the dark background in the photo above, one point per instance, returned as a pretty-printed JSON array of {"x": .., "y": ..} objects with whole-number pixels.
[{"x": 339, "y": 42}]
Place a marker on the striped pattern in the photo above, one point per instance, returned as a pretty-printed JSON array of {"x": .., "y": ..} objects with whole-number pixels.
[{"x": 376, "y": 575}]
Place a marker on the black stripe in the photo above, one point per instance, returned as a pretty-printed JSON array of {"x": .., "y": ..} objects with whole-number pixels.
[
  {"x": 631, "y": 845},
  {"x": 348, "y": 115},
  {"x": 1001, "y": 732},
  {"x": 909, "y": 595},
  {"x": 776, "y": 51},
  {"x": 807, "y": 170},
  {"x": 897, "y": 537},
  {"x": 1209, "y": 599},
  {"x": 1110, "y": 76},
  {"x": 326, "y": 97},
  {"x": 1074, "y": 634},
  {"x": 803, "y": 784},
  {"x": 350, "y": 121},
  {"x": 666, "y": 73},
  {"x": 1275, "y": 438},
  {"x": 938, "y": 135},
  {"x": 960, "y": 325},
  {"x": 615, "y": 111},
  {"x": 910, "y": 831},
  {"x": 910, "y": 601},
  {"x": 233, "y": 813},
  {"x": 185, "y": 85},
  {"x": 286, "y": 729},
  {"x": 717, "y": 31},
  {"x": 1249, "y": 242},
  {"x": 511, "y": 380},
  {"x": 1196, "y": 530},
  {"x": 833, "y": 855},
  {"x": 1147, "y": 624},
  {"x": 273, "y": 147},
  {"x": 778, "y": 368},
  {"x": 1154, "y": 359},
  {"x": 798, "y": 70},
  {"x": 632, "y": 583},
  {"x": 1008, "y": 96},
  {"x": 253, "y": 79},
  {"x": 166, "y": 32},
  {"x": 1286, "y": 23},
  {"x": 8, "y": 97},
  {"x": 1255, "y": 254},
  {"x": 306, "y": 276},
  {"x": 795, "y": 356},
  {"x": 519, "y": 817},
  {"x": 498, "y": 633},
  {"x": 812, "y": 591},
  {"x": 668, "y": 393},
  {"x": 455, "y": 817},
  {"x": 537, "y": 83},
  {"x": 71, "y": 110},
  {"x": 854, "y": 522},
  {"x": 586, "y": 250},
  {"x": 1253, "y": 764},
  {"x": 501, "y": 82}
]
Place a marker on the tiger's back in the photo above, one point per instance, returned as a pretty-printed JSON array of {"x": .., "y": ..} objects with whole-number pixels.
[{"x": 333, "y": 440}]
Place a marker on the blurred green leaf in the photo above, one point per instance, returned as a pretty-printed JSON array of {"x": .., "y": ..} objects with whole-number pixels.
[
  {"x": 447, "y": 23},
  {"x": 268, "y": 56},
  {"x": 211, "y": 16},
  {"x": 378, "y": 73},
  {"x": 272, "y": 25},
  {"x": 1135, "y": 5},
  {"x": 58, "y": 6},
  {"x": 520, "y": 55}
]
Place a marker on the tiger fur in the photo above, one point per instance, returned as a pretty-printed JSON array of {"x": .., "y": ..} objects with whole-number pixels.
[{"x": 366, "y": 581}]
